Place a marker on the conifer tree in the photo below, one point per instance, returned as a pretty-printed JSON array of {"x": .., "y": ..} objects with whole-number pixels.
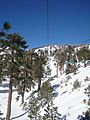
[
  {"x": 71, "y": 68},
  {"x": 16, "y": 48},
  {"x": 83, "y": 54},
  {"x": 46, "y": 93},
  {"x": 39, "y": 100},
  {"x": 12, "y": 46},
  {"x": 51, "y": 112},
  {"x": 60, "y": 58},
  {"x": 34, "y": 108},
  {"x": 3, "y": 31},
  {"x": 38, "y": 68},
  {"x": 32, "y": 71},
  {"x": 27, "y": 80}
]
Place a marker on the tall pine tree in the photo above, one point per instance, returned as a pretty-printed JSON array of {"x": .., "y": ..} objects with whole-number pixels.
[{"x": 13, "y": 47}]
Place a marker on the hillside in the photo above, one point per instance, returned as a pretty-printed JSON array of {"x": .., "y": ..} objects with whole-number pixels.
[{"x": 71, "y": 100}]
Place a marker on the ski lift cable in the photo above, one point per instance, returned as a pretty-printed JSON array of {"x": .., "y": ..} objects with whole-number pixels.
[{"x": 47, "y": 22}]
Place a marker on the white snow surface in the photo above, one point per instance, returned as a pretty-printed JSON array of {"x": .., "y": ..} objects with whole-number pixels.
[{"x": 69, "y": 101}]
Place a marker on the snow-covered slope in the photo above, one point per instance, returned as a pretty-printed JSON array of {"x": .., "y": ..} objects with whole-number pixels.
[
  {"x": 16, "y": 105},
  {"x": 69, "y": 100}
]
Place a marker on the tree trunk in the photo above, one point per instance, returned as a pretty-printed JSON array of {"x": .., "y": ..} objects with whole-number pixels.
[
  {"x": 23, "y": 91},
  {"x": 22, "y": 98},
  {"x": 52, "y": 110},
  {"x": 39, "y": 83},
  {"x": 9, "y": 101},
  {"x": 57, "y": 69}
]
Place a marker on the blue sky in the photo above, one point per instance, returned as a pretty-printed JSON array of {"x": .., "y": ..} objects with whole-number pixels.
[{"x": 69, "y": 20}]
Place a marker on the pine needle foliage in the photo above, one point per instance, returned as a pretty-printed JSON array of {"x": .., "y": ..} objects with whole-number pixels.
[
  {"x": 51, "y": 112},
  {"x": 34, "y": 108},
  {"x": 12, "y": 48}
]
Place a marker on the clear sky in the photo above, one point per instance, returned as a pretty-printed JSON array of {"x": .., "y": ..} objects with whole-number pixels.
[{"x": 69, "y": 20}]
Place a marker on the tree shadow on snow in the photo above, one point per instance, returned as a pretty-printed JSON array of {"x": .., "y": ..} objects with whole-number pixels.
[
  {"x": 52, "y": 78},
  {"x": 5, "y": 91},
  {"x": 55, "y": 94},
  {"x": 5, "y": 85},
  {"x": 56, "y": 86}
]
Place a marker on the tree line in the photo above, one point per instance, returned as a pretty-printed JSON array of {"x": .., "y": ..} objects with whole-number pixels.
[{"x": 70, "y": 56}]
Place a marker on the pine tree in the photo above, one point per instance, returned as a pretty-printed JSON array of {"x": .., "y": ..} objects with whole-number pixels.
[
  {"x": 60, "y": 58},
  {"x": 32, "y": 71},
  {"x": 71, "y": 68},
  {"x": 16, "y": 47},
  {"x": 83, "y": 54},
  {"x": 51, "y": 112},
  {"x": 3, "y": 31},
  {"x": 48, "y": 71},
  {"x": 46, "y": 93},
  {"x": 34, "y": 108},
  {"x": 12, "y": 46},
  {"x": 6, "y": 26},
  {"x": 38, "y": 68},
  {"x": 39, "y": 100},
  {"x": 27, "y": 80}
]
